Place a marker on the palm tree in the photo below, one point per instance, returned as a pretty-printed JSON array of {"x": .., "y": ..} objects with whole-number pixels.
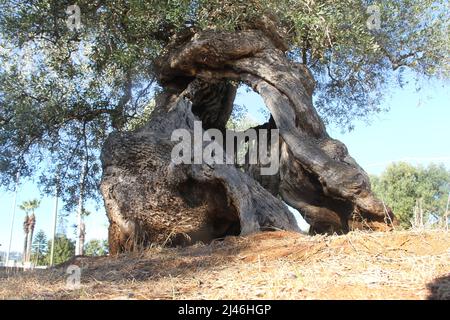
[
  {"x": 31, "y": 224},
  {"x": 29, "y": 207},
  {"x": 25, "y": 242}
]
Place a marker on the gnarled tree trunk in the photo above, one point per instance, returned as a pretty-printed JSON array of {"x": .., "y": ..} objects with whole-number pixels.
[{"x": 149, "y": 199}]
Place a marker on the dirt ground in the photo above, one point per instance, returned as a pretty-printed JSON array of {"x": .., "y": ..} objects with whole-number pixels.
[{"x": 275, "y": 265}]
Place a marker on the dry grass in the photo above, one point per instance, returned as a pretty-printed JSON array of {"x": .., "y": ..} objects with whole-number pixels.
[{"x": 277, "y": 265}]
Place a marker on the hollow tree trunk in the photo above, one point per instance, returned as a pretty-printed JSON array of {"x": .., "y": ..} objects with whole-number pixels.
[{"x": 149, "y": 199}]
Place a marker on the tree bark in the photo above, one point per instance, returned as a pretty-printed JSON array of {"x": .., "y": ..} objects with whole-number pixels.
[{"x": 148, "y": 199}]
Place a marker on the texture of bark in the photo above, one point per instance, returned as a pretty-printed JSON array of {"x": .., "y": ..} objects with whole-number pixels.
[
  {"x": 148, "y": 199},
  {"x": 151, "y": 200}
]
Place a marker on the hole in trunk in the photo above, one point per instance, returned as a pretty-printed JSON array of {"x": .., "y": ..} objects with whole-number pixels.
[
  {"x": 220, "y": 106},
  {"x": 219, "y": 217},
  {"x": 249, "y": 110}
]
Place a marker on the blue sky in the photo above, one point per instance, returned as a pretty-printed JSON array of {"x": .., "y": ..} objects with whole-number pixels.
[{"x": 416, "y": 129}]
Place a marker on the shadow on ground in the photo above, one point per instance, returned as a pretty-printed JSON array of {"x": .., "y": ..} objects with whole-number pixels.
[{"x": 440, "y": 288}]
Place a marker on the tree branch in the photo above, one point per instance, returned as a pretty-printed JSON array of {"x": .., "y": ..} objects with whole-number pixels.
[{"x": 400, "y": 61}]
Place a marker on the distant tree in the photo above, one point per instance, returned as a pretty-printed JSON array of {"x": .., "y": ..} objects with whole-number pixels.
[
  {"x": 244, "y": 123},
  {"x": 62, "y": 222},
  {"x": 64, "y": 249},
  {"x": 40, "y": 249},
  {"x": 25, "y": 240},
  {"x": 238, "y": 115},
  {"x": 241, "y": 120},
  {"x": 401, "y": 185},
  {"x": 96, "y": 248},
  {"x": 30, "y": 221},
  {"x": 80, "y": 230},
  {"x": 30, "y": 206}
]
